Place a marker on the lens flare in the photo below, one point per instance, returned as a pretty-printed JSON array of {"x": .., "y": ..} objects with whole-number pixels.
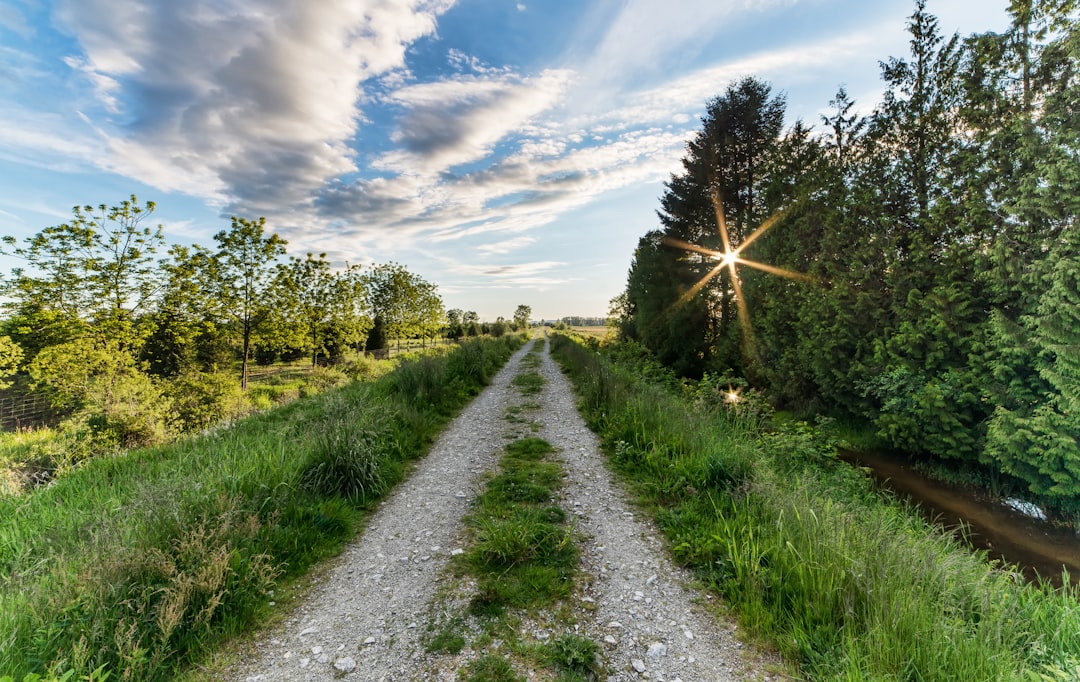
[{"x": 730, "y": 257}]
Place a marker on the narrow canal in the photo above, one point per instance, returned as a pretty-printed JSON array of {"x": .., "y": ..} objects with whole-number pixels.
[{"x": 1036, "y": 547}]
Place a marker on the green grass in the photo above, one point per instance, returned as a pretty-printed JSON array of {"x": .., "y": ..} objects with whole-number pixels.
[
  {"x": 138, "y": 564},
  {"x": 530, "y": 383},
  {"x": 522, "y": 554},
  {"x": 523, "y": 561},
  {"x": 492, "y": 668},
  {"x": 844, "y": 583}
]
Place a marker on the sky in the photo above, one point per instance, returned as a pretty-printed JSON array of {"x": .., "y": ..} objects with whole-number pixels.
[{"x": 512, "y": 152}]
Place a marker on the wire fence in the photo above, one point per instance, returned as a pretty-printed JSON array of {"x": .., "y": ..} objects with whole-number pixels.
[{"x": 22, "y": 409}]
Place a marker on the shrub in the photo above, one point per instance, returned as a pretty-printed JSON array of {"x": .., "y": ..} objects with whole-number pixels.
[{"x": 201, "y": 399}]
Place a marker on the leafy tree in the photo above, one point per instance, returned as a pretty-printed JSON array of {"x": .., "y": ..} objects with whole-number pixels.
[
  {"x": 409, "y": 306},
  {"x": 10, "y": 356},
  {"x": 454, "y": 326},
  {"x": 521, "y": 317},
  {"x": 181, "y": 328},
  {"x": 97, "y": 273},
  {"x": 329, "y": 308},
  {"x": 239, "y": 278}
]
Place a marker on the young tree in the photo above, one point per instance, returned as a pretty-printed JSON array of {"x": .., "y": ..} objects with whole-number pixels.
[
  {"x": 329, "y": 309},
  {"x": 407, "y": 305},
  {"x": 96, "y": 273},
  {"x": 521, "y": 317},
  {"x": 240, "y": 277}
]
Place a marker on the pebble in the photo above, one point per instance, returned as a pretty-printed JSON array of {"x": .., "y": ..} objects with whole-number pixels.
[
  {"x": 638, "y": 665},
  {"x": 345, "y": 665},
  {"x": 657, "y": 650}
]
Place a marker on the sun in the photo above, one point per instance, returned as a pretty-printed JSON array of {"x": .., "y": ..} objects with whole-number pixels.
[{"x": 730, "y": 258}]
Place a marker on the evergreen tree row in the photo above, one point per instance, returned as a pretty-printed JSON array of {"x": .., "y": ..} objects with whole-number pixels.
[{"x": 918, "y": 266}]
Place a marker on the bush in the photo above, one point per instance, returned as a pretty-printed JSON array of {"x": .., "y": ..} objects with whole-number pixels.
[{"x": 201, "y": 399}]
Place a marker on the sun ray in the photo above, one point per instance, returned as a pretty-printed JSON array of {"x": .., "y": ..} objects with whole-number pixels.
[
  {"x": 776, "y": 271},
  {"x": 678, "y": 243},
  {"x": 721, "y": 220},
  {"x": 692, "y": 291}
]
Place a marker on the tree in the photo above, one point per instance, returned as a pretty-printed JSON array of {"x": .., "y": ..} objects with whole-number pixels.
[
  {"x": 408, "y": 306},
  {"x": 96, "y": 273},
  {"x": 521, "y": 317},
  {"x": 454, "y": 323},
  {"x": 329, "y": 309},
  {"x": 684, "y": 304},
  {"x": 1040, "y": 442},
  {"x": 239, "y": 278}
]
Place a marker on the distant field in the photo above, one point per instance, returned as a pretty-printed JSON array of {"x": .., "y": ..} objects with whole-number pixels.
[{"x": 598, "y": 332}]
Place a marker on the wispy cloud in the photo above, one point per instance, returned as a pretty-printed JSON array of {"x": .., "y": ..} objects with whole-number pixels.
[
  {"x": 452, "y": 122},
  {"x": 12, "y": 19}
]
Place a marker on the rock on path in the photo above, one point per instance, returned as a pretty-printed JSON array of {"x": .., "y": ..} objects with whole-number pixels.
[{"x": 365, "y": 619}]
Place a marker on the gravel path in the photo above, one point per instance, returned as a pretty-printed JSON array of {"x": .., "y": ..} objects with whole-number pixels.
[{"x": 365, "y": 619}]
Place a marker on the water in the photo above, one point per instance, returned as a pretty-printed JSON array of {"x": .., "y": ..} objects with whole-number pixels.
[{"x": 1005, "y": 532}]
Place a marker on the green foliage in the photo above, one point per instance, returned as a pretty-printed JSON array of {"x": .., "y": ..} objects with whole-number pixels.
[
  {"x": 10, "y": 356},
  {"x": 575, "y": 655},
  {"x": 201, "y": 399},
  {"x": 1040, "y": 442}
]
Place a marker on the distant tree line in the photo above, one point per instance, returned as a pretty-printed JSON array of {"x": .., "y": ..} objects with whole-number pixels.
[
  {"x": 938, "y": 244},
  {"x": 462, "y": 323},
  {"x": 129, "y": 332},
  {"x": 578, "y": 321}
]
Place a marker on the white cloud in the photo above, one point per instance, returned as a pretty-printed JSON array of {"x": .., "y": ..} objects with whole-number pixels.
[
  {"x": 244, "y": 101},
  {"x": 645, "y": 35},
  {"x": 503, "y": 247}
]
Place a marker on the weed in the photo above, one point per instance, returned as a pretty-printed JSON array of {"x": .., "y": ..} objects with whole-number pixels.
[
  {"x": 492, "y": 668},
  {"x": 530, "y": 383},
  {"x": 578, "y": 658},
  {"x": 448, "y": 639}
]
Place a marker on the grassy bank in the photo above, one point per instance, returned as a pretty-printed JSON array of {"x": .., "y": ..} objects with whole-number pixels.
[
  {"x": 136, "y": 564},
  {"x": 846, "y": 585}
]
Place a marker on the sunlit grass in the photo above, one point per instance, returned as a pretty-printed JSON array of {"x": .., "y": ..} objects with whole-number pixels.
[
  {"x": 846, "y": 584},
  {"x": 139, "y": 563}
]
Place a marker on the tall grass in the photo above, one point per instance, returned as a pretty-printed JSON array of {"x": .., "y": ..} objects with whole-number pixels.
[
  {"x": 135, "y": 564},
  {"x": 847, "y": 584}
]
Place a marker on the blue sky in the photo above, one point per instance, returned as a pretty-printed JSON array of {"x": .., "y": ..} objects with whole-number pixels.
[{"x": 511, "y": 152}]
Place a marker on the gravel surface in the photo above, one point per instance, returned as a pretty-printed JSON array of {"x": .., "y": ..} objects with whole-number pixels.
[{"x": 367, "y": 616}]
